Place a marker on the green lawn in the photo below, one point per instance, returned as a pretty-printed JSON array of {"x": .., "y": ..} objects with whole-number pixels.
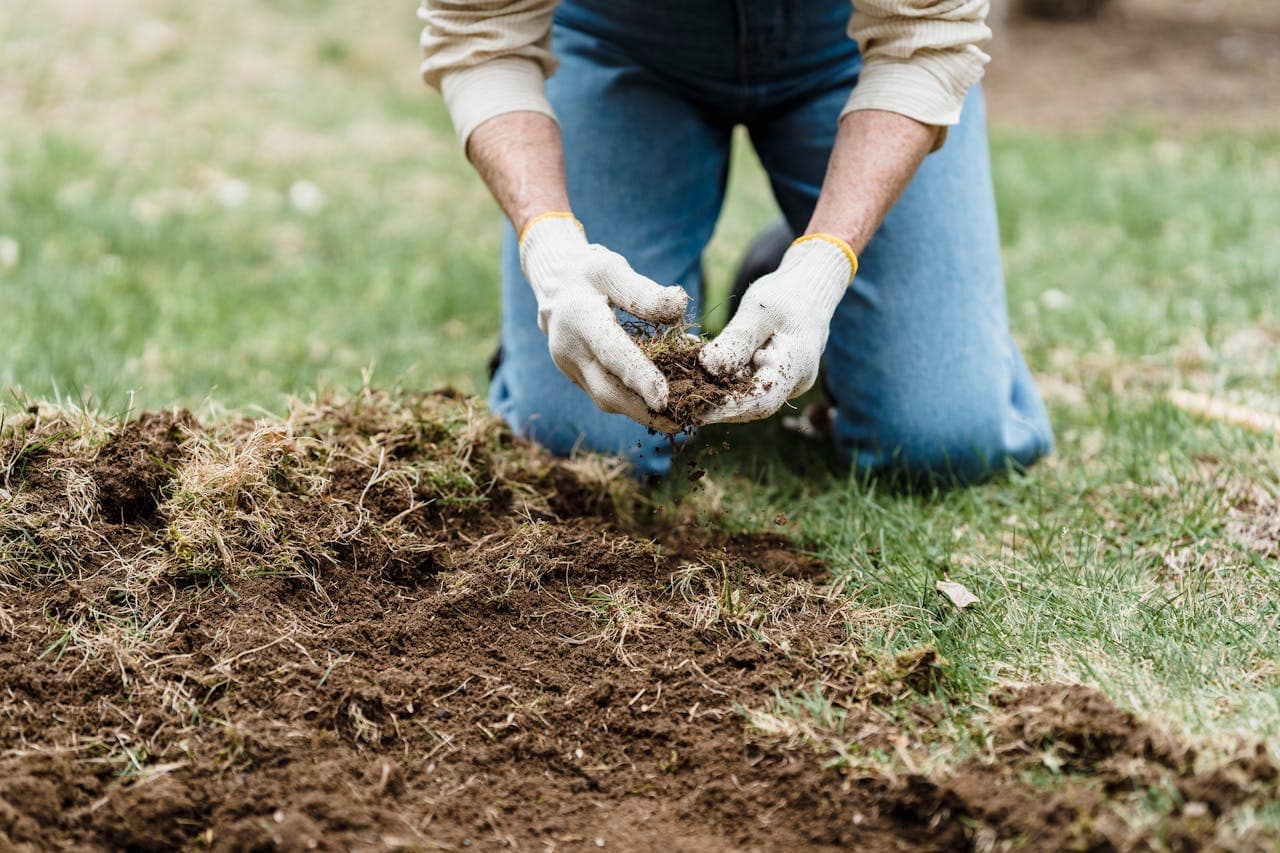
[{"x": 172, "y": 248}]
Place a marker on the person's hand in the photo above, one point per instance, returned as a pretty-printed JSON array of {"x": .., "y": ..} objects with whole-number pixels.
[
  {"x": 578, "y": 284},
  {"x": 780, "y": 329}
]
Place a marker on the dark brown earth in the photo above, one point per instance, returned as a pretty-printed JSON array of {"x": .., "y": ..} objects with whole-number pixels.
[
  {"x": 692, "y": 389},
  {"x": 131, "y": 469},
  {"x": 389, "y": 624}
]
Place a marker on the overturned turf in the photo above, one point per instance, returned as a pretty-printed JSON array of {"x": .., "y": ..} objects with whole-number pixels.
[{"x": 384, "y": 622}]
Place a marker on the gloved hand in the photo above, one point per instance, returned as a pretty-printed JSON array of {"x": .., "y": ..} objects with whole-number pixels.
[
  {"x": 780, "y": 329},
  {"x": 577, "y": 285}
]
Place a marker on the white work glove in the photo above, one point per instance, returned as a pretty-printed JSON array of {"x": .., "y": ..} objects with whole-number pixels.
[
  {"x": 780, "y": 329},
  {"x": 578, "y": 284}
]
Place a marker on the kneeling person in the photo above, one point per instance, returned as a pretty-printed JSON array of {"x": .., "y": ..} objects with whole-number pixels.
[{"x": 894, "y": 286}]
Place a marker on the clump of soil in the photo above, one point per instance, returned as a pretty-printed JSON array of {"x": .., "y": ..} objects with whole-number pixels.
[
  {"x": 385, "y": 622},
  {"x": 692, "y": 389},
  {"x": 135, "y": 463},
  {"x": 1083, "y": 728},
  {"x": 1074, "y": 732}
]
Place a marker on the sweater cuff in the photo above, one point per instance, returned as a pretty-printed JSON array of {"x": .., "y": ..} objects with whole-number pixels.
[
  {"x": 929, "y": 89},
  {"x": 506, "y": 84}
]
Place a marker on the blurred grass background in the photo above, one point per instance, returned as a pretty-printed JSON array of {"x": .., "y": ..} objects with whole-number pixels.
[{"x": 218, "y": 205}]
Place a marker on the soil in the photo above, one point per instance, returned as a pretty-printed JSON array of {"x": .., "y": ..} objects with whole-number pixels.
[
  {"x": 132, "y": 467},
  {"x": 1078, "y": 730},
  {"x": 387, "y": 623},
  {"x": 692, "y": 390}
]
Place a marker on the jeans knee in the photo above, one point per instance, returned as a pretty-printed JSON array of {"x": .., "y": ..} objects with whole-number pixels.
[{"x": 961, "y": 442}]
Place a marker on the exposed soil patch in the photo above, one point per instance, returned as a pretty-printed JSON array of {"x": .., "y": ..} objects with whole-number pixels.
[
  {"x": 1255, "y": 519},
  {"x": 770, "y": 553},
  {"x": 388, "y": 623},
  {"x": 1048, "y": 730},
  {"x": 692, "y": 390},
  {"x": 1083, "y": 728},
  {"x": 1180, "y": 63}
]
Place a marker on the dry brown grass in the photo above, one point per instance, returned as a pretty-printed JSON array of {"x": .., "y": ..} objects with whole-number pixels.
[{"x": 373, "y": 478}]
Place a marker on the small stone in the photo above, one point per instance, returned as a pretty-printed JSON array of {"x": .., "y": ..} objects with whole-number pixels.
[
  {"x": 306, "y": 197},
  {"x": 1055, "y": 300},
  {"x": 232, "y": 193},
  {"x": 10, "y": 252}
]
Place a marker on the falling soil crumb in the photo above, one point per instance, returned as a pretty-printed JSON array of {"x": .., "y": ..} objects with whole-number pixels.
[
  {"x": 692, "y": 390},
  {"x": 387, "y": 623}
]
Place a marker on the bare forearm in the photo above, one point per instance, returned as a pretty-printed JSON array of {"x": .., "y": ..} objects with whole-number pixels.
[
  {"x": 520, "y": 158},
  {"x": 874, "y": 158}
]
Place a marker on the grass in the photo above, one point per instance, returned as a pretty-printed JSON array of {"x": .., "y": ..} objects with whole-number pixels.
[{"x": 171, "y": 248}]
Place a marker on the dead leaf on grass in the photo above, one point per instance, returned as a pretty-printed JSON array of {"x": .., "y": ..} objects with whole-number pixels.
[{"x": 956, "y": 593}]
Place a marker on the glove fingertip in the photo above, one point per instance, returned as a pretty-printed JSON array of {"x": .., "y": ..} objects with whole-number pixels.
[
  {"x": 670, "y": 305},
  {"x": 710, "y": 359},
  {"x": 655, "y": 392},
  {"x": 656, "y": 401},
  {"x": 718, "y": 357}
]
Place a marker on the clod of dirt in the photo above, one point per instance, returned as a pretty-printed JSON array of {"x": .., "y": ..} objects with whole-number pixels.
[
  {"x": 135, "y": 464},
  {"x": 1083, "y": 727},
  {"x": 692, "y": 390},
  {"x": 1085, "y": 736},
  {"x": 1229, "y": 785}
]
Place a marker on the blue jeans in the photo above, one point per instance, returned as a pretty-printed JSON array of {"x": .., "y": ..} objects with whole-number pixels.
[{"x": 922, "y": 370}]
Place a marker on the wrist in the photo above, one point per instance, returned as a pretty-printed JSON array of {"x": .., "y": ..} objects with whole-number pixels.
[
  {"x": 529, "y": 222},
  {"x": 821, "y": 267},
  {"x": 547, "y": 243},
  {"x": 524, "y": 211},
  {"x": 841, "y": 244},
  {"x": 852, "y": 230}
]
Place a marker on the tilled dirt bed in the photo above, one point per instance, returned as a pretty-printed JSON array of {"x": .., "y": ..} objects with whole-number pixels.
[{"x": 386, "y": 623}]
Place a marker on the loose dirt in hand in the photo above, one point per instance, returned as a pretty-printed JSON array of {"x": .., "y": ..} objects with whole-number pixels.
[
  {"x": 386, "y": 623},
  {"x": 692, "y": 390}
]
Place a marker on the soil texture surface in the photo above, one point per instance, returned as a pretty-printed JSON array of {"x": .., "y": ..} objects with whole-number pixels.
[{"x": 385, "y": 623}]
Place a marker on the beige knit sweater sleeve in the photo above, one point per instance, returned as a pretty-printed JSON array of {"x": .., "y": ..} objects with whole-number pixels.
[
  {"x": 920, "y": 57},
  {"x": 489, "y": 57}
]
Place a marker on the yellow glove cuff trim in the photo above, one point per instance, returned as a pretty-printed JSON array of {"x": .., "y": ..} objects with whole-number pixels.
[
  {"x": 838, "y": 243},
  {"x": 552, "y": 214}
]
